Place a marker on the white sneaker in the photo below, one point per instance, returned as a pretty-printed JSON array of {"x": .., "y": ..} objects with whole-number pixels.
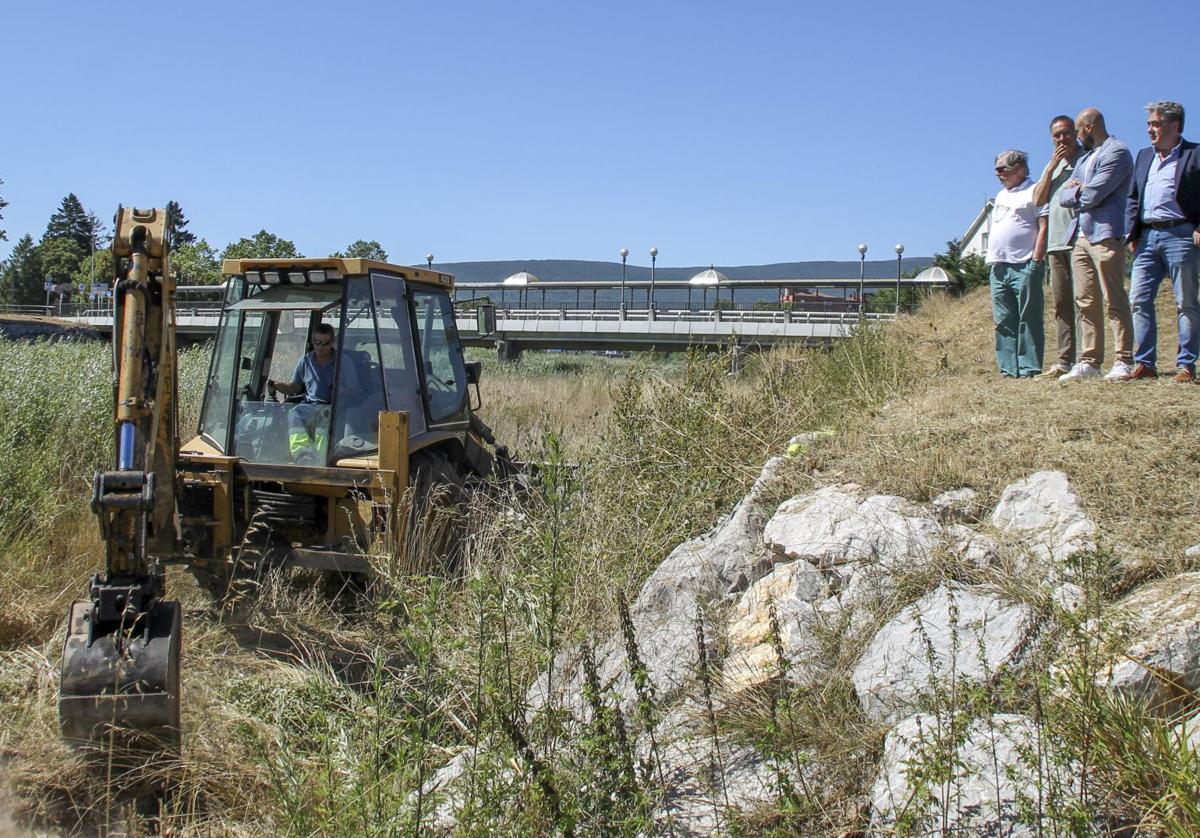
[
  {"x": 1120, "y": 371},
  {"x": 1079, "y": 372}
]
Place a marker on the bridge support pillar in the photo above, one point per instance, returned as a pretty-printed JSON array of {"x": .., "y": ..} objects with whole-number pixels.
[
  {"x": 508, "y": 352},
  {"x": 737, "y": 358}
]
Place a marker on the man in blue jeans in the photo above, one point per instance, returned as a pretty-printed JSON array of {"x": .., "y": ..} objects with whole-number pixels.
[
  {"x": 1161, "y": 215},
  {"x": 1016, "y": 247}
]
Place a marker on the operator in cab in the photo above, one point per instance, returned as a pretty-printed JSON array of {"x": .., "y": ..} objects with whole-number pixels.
[{"x": 308, "y": 421}]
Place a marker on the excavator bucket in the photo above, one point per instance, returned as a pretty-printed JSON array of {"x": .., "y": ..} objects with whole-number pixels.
[{"x": 123, "y": 682}]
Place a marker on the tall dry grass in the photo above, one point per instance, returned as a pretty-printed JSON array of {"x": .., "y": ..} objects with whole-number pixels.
[
  {"x": 1130, "y": 448},
  {"x": 309, "y": 713}
]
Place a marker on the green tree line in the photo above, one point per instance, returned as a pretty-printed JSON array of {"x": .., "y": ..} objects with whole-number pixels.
[{"x": 74, "y": 249}]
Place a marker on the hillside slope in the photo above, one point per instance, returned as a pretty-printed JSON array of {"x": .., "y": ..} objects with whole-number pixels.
[{"x": 308, "y": 712}]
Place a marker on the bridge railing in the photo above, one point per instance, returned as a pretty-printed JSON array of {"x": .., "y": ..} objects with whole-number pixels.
[
  {"x": 76, "y": 311},
  {"x": 682, "y": 315}
]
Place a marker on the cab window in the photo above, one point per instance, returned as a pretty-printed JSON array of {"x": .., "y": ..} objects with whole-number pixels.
[{"x": 441, "y": 354}]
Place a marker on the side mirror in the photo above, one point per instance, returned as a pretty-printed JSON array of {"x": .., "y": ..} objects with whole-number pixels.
[{"x": 485, "y": 320}]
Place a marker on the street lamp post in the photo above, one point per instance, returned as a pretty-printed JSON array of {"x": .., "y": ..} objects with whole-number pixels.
[
  {"x": 653, "y": 259},
  {"x": 899, "y": 253},
  {"x": 624, "y": 256},
  {"x": 429, "y": 260},
  {"x": 862, "y": 273}
]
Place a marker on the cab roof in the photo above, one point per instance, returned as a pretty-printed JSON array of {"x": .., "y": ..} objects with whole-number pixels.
[{"x": 336, "y": 265}]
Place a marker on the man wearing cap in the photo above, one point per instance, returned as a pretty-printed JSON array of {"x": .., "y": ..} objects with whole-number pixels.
[
  {"x": 1015, "y": 249},
  {"x": 1097, "y": 191},
  {"x": 1060, "y": 236},
  {"x": 1162, "y": 214}
]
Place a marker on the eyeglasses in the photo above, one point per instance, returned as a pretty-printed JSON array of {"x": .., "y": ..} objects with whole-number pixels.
[
  {"x": 322, "y": 342},
  {"x": 1002, "y": 169}
]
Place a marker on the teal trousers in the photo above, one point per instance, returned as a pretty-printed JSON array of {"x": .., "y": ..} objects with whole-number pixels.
[{"x": 1017, "y": 304}]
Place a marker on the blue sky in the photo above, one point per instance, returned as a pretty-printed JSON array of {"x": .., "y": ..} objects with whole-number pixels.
[{"x": 719, "y": 132}]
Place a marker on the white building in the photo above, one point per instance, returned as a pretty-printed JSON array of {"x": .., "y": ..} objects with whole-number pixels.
[{"x": 974, "y": 240}]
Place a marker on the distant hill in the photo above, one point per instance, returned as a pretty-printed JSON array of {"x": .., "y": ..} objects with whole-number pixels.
[{"x": 563, "y": 270}]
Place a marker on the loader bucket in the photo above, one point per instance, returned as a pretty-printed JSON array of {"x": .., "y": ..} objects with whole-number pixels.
[{"x": 122, "y": 683}]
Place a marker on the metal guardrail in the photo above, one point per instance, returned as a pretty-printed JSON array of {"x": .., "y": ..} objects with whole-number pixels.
[
  {"x": 72, "y": 311},
  {"x": 782, "y": 316}
]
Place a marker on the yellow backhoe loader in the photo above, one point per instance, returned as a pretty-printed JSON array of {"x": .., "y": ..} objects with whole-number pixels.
[{"x": 379, "y": 398}]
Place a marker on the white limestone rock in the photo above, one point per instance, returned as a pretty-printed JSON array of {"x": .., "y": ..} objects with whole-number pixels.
[
  {"x": 447, "y": 792},
  {"x": 995, "y": 785},
  {"x": 667, "y": 647},
  {"x": 1069, "y": 597},
  {"x": 792, "y": 589},
  {"x": 1189, "y": 731},
  {"x": 971, "y": 546},
  {"x": 697, "y": 573},
  {"x": 956, "y": 506},
  {"x": 1044, "y": 514},
  {"x": 953, "y": 632},
  {"x": 1192, "y": 552},
  {"x": 864, "y": 590},
  {"x": 709, "y": 782},
  {"x": 1161, "y": 664},
  {"x": 832, "y": 526},
  {"x": 730, "y": 557}
]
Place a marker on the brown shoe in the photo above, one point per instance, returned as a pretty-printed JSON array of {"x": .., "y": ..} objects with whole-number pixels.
[
  {"x": 1183, "y": 376},
  {"x": 1141, "y": 371},
  {"x": 1053, "y": 374}
]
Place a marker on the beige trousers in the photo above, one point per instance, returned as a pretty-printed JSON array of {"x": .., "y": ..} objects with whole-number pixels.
[
  {"x": 1062, "y": 292},
  {"x": 1099, "y": 273}
]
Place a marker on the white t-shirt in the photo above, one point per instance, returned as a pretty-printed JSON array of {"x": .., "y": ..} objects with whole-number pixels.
[{"x": 1014, "y": 225}]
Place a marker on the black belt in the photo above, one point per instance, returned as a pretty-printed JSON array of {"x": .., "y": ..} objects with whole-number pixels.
[{"x": 1165, "y": 225}]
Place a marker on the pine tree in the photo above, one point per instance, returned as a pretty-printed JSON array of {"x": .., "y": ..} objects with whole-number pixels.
[
  {"x": 73, "y": 222},
  {"x": 101, "y": 237},
  {"x": 21, "y": 280},
  {"x": 176, "y": 222}
]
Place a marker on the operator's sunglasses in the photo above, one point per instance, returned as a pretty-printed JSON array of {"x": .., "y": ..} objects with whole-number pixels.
[{"x": 322, "y": 342}]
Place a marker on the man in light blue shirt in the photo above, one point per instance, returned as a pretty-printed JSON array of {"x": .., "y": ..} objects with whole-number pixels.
[
  {"x": 1097, "y": 192},
  {"x": 1162, "y": 212},
  {"x": 308, "y": 421}
]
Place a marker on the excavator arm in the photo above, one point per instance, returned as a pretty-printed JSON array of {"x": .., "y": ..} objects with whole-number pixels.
[{"x": 120, "y": 668}]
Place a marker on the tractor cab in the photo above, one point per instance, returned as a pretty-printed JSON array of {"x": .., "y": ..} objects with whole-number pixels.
[
  {"x": 395, "y": 348},
  {"x": 319, "y": 472}
]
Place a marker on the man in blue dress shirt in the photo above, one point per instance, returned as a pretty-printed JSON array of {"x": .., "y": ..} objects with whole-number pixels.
[{"x": 1162, "y": 214}]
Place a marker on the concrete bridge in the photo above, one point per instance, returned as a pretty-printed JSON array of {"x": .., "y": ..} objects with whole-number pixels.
[{"x": 600, "y": 316}]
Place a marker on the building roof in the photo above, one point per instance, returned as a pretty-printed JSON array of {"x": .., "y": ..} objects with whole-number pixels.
[
  {"x": 520, "y": 278},
  {"x": 708, "y": 276}
]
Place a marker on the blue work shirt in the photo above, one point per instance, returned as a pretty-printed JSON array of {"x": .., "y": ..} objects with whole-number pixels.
[
  {"x": 317, "y": 378},
  {"x": 1160, "y": 203}
]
